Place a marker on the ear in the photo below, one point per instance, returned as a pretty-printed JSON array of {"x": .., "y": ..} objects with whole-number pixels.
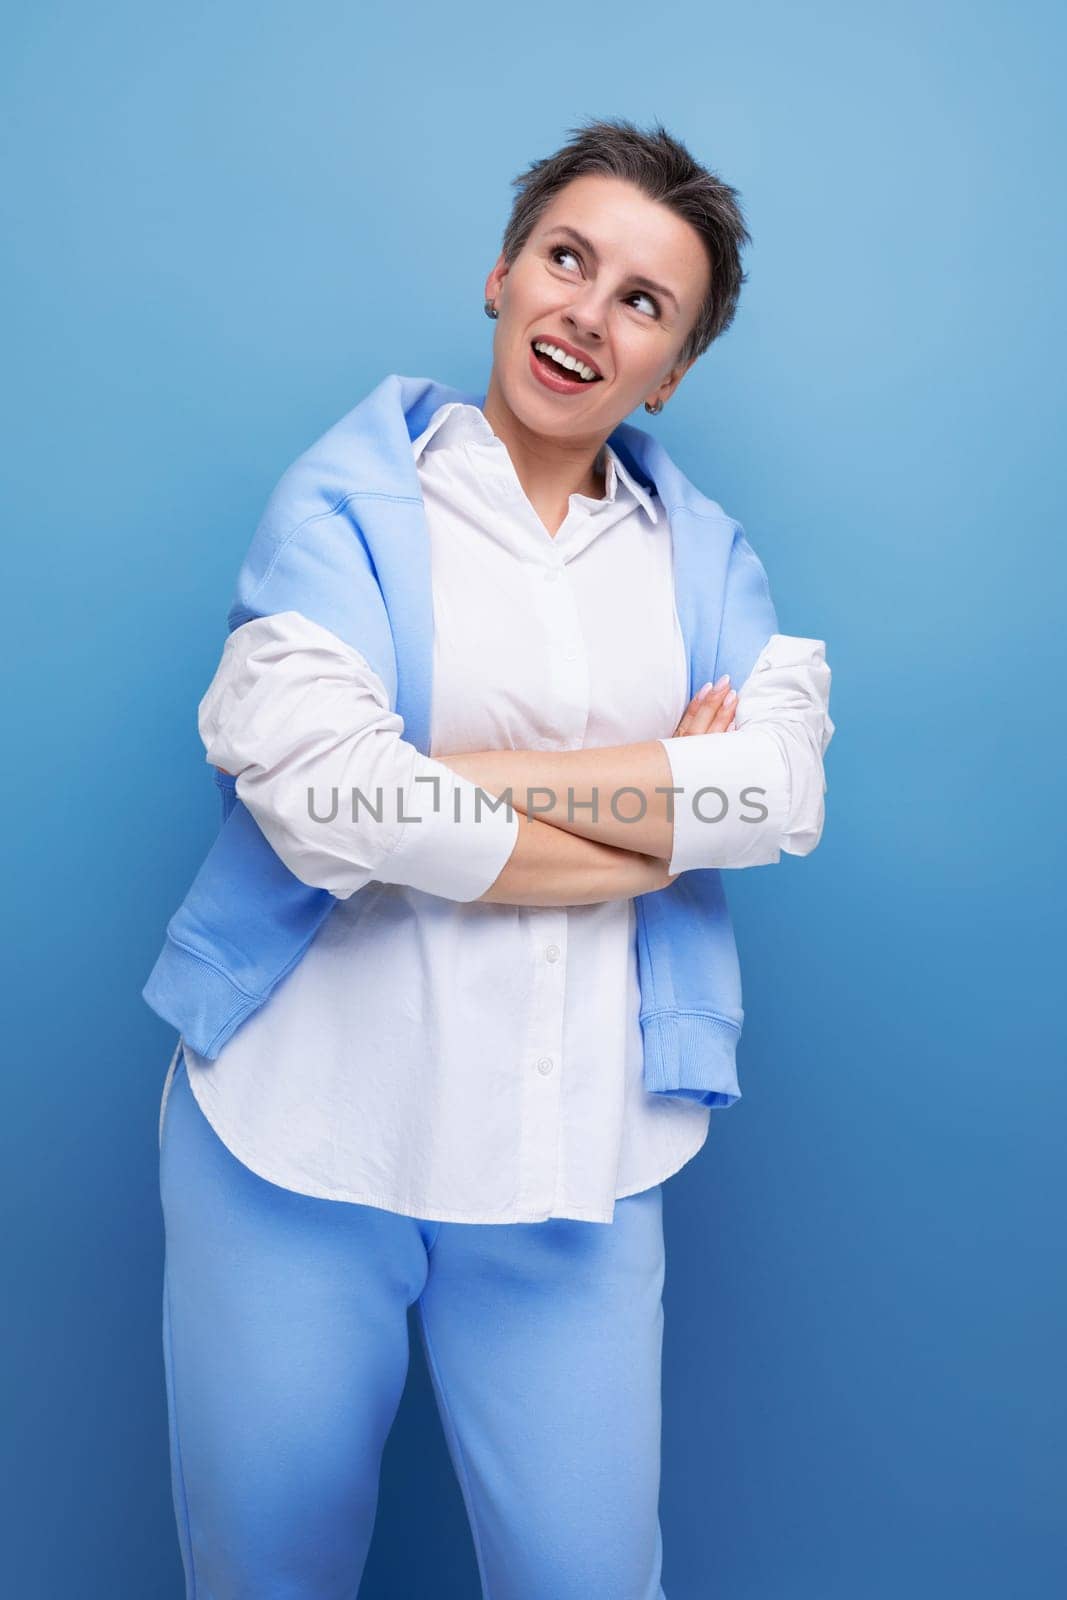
[
  {"x": 670, "y": 383},
  {"x": 496, "y": 278}
]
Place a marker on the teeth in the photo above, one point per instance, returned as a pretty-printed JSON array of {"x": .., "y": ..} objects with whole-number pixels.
[{"x": 585, "y": 373}]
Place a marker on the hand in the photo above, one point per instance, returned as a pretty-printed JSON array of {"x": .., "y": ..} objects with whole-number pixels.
[{"x": 711, "y": 710}]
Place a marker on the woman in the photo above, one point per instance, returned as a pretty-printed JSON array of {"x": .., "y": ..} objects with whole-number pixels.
[{"x": 443, "y": 1052}]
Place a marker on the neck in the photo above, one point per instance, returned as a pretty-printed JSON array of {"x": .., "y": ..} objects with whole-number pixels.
[{"x": 550, "y": 470}]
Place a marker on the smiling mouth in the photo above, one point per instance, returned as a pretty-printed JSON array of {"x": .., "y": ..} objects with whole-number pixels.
[{"x": 558, "y": 369}]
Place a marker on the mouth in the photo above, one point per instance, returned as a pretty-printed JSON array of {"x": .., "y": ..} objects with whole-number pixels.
[{"x": 554, "y": 374}]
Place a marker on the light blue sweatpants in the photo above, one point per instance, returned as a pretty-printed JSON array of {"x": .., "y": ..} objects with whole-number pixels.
[{"x": 285, "y": 1347}]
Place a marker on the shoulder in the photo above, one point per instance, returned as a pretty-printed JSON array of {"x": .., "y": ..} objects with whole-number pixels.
[{"x": 309, "y": 528}]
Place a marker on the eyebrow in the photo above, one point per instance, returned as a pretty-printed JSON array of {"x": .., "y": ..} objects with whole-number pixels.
[{"x": 590, "y": 248}]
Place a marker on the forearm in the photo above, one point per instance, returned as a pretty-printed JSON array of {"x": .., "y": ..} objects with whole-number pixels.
[
  {"x": 617, "y": 795},
  {"x": 733, "y": 797},
  {"x": 552, "y": 867}
]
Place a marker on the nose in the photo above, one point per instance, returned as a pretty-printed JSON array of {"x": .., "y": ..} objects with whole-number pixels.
[{"x": 586, "y": 318}]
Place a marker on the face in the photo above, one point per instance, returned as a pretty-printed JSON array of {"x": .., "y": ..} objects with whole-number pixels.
[{"x": 617, "y": 280}]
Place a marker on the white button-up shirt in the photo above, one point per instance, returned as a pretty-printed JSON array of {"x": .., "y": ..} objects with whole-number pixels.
[{"x": 433, "y": 1054}]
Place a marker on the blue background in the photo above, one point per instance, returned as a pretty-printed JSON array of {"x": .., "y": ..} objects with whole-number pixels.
[{"x": 224, "y": 226}]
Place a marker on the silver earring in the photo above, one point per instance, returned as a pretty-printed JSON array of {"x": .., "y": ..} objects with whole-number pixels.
[
  {"x": 655, "y": 410},
  {"x": 490, "y": 309}
]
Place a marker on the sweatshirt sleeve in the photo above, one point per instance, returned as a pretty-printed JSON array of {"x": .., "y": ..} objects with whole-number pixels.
[
  {"x": 757, "y": 789},
  {"x": 303, "y": 722}
]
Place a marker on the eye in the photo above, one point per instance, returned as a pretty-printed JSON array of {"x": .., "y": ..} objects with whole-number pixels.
[
  {"x": 639, "y": 294},
  {"x": 562, "y": 250}
]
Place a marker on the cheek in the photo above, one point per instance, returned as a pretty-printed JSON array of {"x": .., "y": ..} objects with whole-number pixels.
[{"x": 639, "y": 359}]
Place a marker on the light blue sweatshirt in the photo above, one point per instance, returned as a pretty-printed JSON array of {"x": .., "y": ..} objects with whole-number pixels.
[{"x": 344, "y": 540}]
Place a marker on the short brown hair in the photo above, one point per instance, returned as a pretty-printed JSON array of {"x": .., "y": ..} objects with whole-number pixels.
[{"x": 664, "y": 170}]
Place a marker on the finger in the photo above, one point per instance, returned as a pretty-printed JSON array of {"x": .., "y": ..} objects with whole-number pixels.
[
  {"x": 704, "y": 718},
  {"x": 724, "y": 712},
  {"x": 705, "y": 703},
  {"x": 685, "y": 725}
]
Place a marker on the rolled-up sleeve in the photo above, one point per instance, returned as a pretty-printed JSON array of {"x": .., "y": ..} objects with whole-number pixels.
[
  {"x": 303, "y": 722},
  {"x": 758, "y": 789}
]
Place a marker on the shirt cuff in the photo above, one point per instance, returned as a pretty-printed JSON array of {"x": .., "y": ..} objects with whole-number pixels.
[
  {"x": 734, "y": 800},
  {"x": 450, "y": 842}
]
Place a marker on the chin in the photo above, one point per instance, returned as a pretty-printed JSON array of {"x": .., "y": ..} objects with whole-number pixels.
[
  {"x": 538, "y": 410},
  {"x": 527, "y": 404}
]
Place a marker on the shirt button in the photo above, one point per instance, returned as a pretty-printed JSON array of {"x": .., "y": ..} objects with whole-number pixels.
[
  {"x": 552, "y": 953},
  {"x": 544, "y": 1066}
]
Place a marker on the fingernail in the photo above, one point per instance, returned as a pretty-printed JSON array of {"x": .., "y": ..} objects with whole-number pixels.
[
  {"x": 702, "y": 692},
  {"x": 729, "y": 699},
  {"x": 724, "y": 679}
]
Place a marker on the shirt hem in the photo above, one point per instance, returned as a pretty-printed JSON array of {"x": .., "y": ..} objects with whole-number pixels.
[
  {"x": 428, "y": 1213},
  {"x": 677, "y": 1163}
]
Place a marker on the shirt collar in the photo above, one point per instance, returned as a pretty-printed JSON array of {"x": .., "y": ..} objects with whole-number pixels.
[{"x": 457, "y": 422}]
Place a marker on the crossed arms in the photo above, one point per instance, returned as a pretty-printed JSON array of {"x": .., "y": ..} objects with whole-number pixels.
[{"x": 296, "y": 714}]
